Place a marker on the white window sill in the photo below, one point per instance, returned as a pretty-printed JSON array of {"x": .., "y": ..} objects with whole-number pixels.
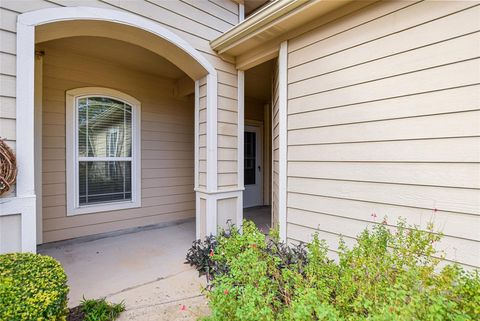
[{"x": 91, "y": 209}]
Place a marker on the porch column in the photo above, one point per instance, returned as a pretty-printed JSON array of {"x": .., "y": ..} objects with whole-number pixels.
[
  {"x": 217, "y": 153},
  {"x": 18, "y": 211}
]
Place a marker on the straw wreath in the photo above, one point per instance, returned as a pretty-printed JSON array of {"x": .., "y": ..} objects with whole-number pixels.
[{"x": 8, "y": 167}]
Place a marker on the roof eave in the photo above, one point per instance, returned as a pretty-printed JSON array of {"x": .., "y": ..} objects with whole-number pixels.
[{"x": 278, "y": 15}]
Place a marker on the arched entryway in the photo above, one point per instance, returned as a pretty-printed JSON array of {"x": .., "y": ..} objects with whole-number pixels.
[{"x": 48, "y": 25}]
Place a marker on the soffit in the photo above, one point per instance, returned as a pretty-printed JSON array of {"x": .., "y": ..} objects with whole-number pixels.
[{"x": 270, "y": 22}]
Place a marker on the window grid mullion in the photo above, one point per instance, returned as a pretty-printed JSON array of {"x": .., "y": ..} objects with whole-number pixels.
[
  {"x": 87, "y": 142},
  {"x": 105, "y": 159},
  {"x": 124, "y": 142}
]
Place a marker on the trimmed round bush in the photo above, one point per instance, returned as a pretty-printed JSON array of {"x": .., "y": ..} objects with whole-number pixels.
[{"x": 32, "y": 287}]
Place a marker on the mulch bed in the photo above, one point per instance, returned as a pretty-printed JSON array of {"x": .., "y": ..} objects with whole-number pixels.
[{"x": 75, "y": 314}]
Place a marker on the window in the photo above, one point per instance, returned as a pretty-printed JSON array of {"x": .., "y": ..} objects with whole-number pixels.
[
  {"x": 250, "y": 149},
  {"x": 103, "y": 151}
]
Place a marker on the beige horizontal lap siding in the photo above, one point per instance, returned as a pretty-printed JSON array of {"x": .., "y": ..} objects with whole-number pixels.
[
  {"x": 227, "y": 118},
  {"x": 384, "y": 118},
  {"x": 197, "y": 22},
  {"x": 167, "y": 147},
  {"x": 202, "y": 135},
  {"x": 9, "y": 11},
  {"x": 7, "y": 80},
  {"x": 275, "y": 149},
  {"x": 7, "y": 89}
]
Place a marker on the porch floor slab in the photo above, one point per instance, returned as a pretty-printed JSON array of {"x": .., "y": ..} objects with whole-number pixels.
[
  {"x": 261, "y": 216},
  {"x": 144, "y": 268}
]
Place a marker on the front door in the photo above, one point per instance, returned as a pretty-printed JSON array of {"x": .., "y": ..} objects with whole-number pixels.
[{"x": 253, "y": 167}]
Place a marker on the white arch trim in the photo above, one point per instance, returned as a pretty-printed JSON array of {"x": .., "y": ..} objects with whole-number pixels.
[
  {"x": 44, "y": 16},
  {"x": 25, "y": 82}
]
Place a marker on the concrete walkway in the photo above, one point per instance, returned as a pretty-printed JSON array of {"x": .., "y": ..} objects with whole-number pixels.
[
  {"x": 261, "y": 216},
  {"x": 145, "y": 269}
]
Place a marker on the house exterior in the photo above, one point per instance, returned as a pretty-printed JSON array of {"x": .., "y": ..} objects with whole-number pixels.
[{"x": 337, "y": 114}]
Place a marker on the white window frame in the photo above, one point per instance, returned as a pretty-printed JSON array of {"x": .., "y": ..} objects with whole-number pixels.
[{"x": 73, "y": 206}]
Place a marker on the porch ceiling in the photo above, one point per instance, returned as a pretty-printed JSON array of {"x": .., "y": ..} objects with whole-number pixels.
[
  {"x": 117, "y": 52},
  {"x": 258, "y": 82},
  {"x": 147, "y": 35}
]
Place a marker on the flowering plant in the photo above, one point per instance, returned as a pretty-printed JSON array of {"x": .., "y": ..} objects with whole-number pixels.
[{"x": 390, "y": 274}]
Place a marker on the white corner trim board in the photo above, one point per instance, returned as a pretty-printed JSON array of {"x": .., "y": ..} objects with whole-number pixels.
[
  {"x": 38, "y": 116},
  {"x": 212, "y": 128},
  {"x": 282, "y": 120},
  {"x": 25, "y": 206},
  {"x": 240, "y": 127},
  {"x": 25, "y": 110},
  {"x": 241, "y": 12},
  {"x": 196, "y": 133},
  {"x": 72, "y": 158},
  {"x": 211, "y": 202}
]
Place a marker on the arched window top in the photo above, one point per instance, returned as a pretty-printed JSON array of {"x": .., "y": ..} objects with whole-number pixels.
[{"x": 103, "y": 92}]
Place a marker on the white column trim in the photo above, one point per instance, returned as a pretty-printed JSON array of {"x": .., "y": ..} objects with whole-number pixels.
[
  {"x": 25, "y": 136},
  {"x": 212, "y": 209},
  {"x": 197, "y": 215},
  {"x": 212, "y": 126},
  {"x": 240, "y": 127},
  {"x": 240, "y": 209},
  {"x": 25, "y": 207},
  {"x": 211, "y": 215},
  {"x": 241, "y": 12},
  {"x": 38, "y": 97},
  {"x": 43, "y": 16},
  {"x": 282, "y": 106},
  {"x": 25, "y": 110},
  {"x": 218, "y": 191},
  {"x": 197, "y": 159},
  {"x": 197, "y": 131}
]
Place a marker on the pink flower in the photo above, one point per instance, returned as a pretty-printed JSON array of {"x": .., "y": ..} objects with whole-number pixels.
[
  {"x": 225, "y": 292},
  {"x": 183, "y": 307},
  {"x": 211, "y": 253},
  {"x": 374, "y": 215}
]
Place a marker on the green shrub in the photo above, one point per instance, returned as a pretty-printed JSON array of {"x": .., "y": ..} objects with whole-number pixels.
[
  {"x": 200, "y": 256},
  {"x": 101, "y": 310},
  {"x": 387, "y": 275},
  {"x": 32, "y": 287}
]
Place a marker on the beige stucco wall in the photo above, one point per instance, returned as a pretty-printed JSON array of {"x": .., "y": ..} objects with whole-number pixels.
[
  {"x": 167, "y": 159},
  {"x": 383, "y": 117}
]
